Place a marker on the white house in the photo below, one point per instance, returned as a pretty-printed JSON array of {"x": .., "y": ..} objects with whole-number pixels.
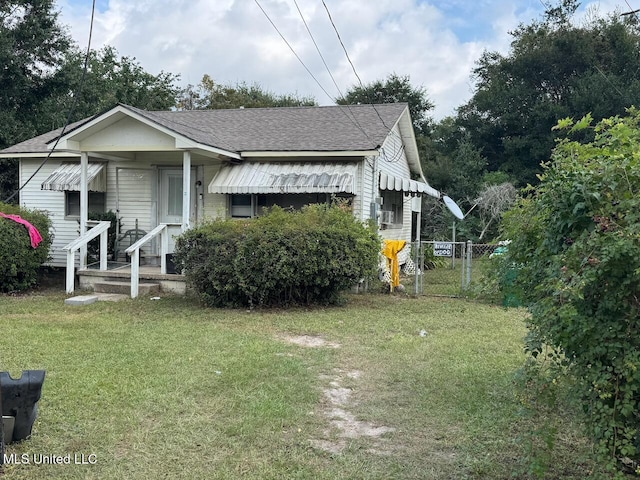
[{"x": 182, "y": 167}]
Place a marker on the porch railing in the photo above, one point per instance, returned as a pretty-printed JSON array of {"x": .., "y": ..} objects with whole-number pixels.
[
  {"x": 133, "y": 251},
  {"x": 80, "y": 242}
]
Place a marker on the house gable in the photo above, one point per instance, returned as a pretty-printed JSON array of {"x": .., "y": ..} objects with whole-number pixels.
[
  {"x": 124, "y": 128},
  {"x": 125, "y": 134}
]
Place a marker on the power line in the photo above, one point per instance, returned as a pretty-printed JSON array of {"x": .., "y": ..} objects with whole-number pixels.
[
  {"x": 342, "y": 43},
  {"x": 609, "y": 81},
  {"x": 71, "y": 109},
  {"x": 355, "y": 120},
  {"x": 351, "y": 118},
  {"x": 344, "y": 48},
  {"x": 292, "y": 50},
  {"x": 318, "y": 49}
]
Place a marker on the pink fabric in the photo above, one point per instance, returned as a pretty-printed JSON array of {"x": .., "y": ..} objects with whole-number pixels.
[{"x": 34, "y": 234}]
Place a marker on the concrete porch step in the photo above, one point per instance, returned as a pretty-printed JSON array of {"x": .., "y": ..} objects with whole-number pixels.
[
  {"x": 81, "y": 300},
  {"x": 124, "y": 288}
]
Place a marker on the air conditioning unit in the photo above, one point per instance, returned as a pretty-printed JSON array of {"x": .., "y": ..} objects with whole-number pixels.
[{"x": 387, "y": 218}]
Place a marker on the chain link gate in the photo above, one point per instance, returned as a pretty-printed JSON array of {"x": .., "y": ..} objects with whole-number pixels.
[{"x": 432, "y": 277}]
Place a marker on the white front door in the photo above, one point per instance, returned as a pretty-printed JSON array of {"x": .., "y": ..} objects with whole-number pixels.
[{"x": 170, "y": 198}]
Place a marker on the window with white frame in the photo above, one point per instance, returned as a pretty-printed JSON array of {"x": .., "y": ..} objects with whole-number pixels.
[
  {"x": 241, "y": 206},
  {"x": 97, "y": 203},
  {"x": 391, "y": 213}
]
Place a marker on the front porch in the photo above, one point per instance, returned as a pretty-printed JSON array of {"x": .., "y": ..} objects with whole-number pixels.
[{"x": 118, "y": 280}]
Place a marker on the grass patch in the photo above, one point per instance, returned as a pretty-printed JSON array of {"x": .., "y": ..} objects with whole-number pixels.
[
  {"x": 446, "y": 280},
  {"x": 166, "y": 389}
]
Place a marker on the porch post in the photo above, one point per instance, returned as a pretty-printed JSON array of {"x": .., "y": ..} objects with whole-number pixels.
[
  {"x": 84, "y": 205},
  {"x": 186, "y": 189}
]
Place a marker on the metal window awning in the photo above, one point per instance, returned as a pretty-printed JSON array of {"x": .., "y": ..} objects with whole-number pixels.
[
  {"x": 389, "y": 182},
  {"x": 67, "y": 177},
  {"x": 285, "y": 177}
]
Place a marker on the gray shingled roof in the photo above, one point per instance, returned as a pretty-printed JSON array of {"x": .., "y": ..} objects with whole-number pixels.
[
  {"x": 316, "y": 129},
  {"x": 39, "y": 144}
]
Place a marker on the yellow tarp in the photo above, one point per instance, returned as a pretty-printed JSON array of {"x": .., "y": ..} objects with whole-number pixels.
[{"x": 390, "y": 250}]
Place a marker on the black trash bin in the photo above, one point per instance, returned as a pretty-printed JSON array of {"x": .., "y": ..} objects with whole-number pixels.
[
  {"x": 171, "y": 264},
  {"x": 20, "y": 400}
]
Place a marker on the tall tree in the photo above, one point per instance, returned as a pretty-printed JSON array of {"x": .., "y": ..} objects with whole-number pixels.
[
  {"x": 554, "y": 69},
  {"x": 32, "y": 48},
  {"x": 40, "y": 79},
  {"x": 110, "y": 79},
  {"x": 211, "y": 95},
  {"x": 32, "y": 45},
  {"x": 395, "y": 88}
]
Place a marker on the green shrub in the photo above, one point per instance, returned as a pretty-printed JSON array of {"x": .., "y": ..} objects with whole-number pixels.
[
  {"x": 19, "y": 262},
  {"x": 575, "y": 240},
  {"x": 281, "y": 258},
  {"x": 206, "y": 255}
]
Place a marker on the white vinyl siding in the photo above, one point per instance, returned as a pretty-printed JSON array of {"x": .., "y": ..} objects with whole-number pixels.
[
  {"x": 215, "y": 204},
  {"x": 393, "y": 159},
  {"x": 369, "y": 190},
  {"x": 134, "y": 196},
  {"x": 394, "y": 162},
  {"x": 65, "y": 230}
]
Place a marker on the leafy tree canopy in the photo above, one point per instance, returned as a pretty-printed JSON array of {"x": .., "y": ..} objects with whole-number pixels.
[
  {"x": 32, "y": 48},
  {"x": 40, "y": 76},
  {"x": 394, "y": 89},
  {"x": 555, "y": 69},
  {"x": 211, "y": 95},
  {"x": 110, "y": 79}
]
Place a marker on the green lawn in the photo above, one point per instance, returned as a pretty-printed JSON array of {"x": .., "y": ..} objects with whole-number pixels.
[
  {"x": 446, "y": 280},
  {"x": 166, "y": 389}
]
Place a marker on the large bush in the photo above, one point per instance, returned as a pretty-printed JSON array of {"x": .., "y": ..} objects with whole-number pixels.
[
  {"x": 576, "y": 246},
  {"x": 280, "y": 258},
  {"x": 19, "y": 262}
]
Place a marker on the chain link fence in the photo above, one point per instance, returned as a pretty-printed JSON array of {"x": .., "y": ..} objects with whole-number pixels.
[{"x": 445, "y": 268}]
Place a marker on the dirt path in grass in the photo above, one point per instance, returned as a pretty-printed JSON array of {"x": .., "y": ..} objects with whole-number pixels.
[{"x": 343, "y": 425}]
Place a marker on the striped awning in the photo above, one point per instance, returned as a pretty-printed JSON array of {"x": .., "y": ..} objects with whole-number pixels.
[
  {"x": 67, "y": 177},
  {"x": 285, "y": 177},
  {"x": 399, "y": 184}
]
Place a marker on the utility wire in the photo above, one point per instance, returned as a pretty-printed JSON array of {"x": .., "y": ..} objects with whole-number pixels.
[
  {"x": 609, "y": 81},
  {"x": 632, "y": 11},
  {"x": 344, "y": 48},
  {"x": 342, "y": 43},
  {"x": 71, "y": 109},
  {"x": 318, "y": 49},
  {"x": 351, "y": 118},
  {"x": 328, "y": 69},
  {"x": 292, "y": 50}
]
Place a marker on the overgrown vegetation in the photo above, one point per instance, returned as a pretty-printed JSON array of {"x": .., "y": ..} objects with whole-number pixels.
[
  {"x": 281, "y": 258},
  {"x": 19, "y": 261},
  {"x": 575, "y": 244}
]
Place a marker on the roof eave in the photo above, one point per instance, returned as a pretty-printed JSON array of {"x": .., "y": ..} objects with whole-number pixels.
[
  {"x": 308, "y": 153},
  {"x": 56, "y": 154},
  {"x": 409, "y": 140}
]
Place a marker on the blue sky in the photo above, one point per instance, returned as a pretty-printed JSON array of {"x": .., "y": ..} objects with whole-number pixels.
[{"x": 435, "y": 42}]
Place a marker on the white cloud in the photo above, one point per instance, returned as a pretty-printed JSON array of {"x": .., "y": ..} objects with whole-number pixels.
[{"x": 435, "y": 42}]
